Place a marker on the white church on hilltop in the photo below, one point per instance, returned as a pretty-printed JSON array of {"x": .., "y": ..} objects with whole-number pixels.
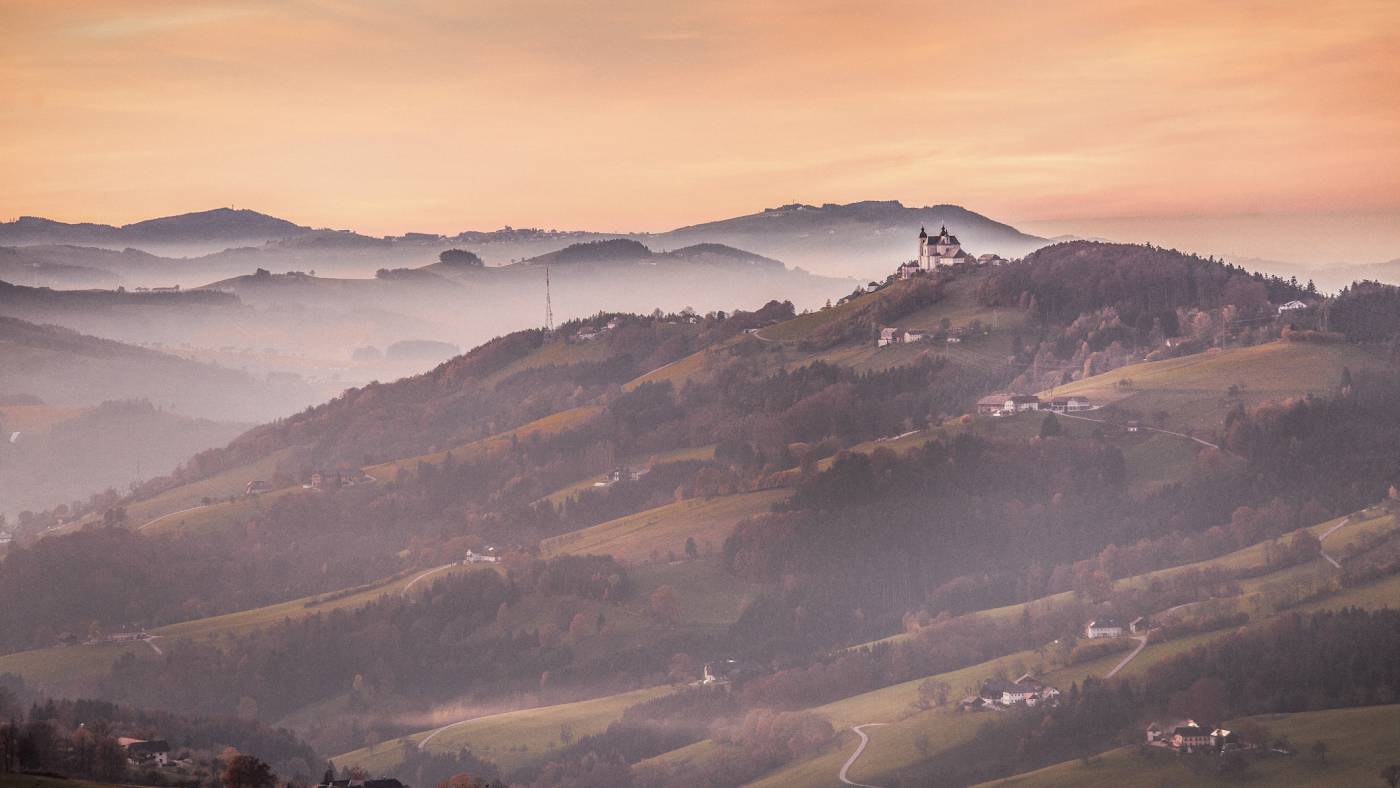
[{"x": 939, "y": 250}]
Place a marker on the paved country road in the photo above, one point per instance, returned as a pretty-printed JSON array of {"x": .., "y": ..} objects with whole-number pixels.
[
  {"x": 164, "y": 517},
  {"x": 1146, "y": 428},
  {"x": 860, "y": 748},
  {"x": 425, "y": 574},
  {"x": 1328, "y": 533},
  {"x": 1142, "y": 643}
]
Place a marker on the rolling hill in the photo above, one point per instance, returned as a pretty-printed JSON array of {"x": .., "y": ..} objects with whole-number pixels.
[
  {"x": 863, "y": 238},
  {"x": 69, "y": 369},
  {"x": 198, "y": 233},
  {"x": 1196, "y": 391}
]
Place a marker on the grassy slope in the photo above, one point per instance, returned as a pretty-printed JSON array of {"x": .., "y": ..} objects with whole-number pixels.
[
  {"x": 1192, "y": 389},
  {"x": 1359, "y": 743},
  {"x": 35, "y": 781},
  {"x": 552, "y": 424},
  {"x": 511, "y": 739},
  {"x": 47, "y": 666},
  {"x": 664, "y": 529},
  {"x": 959, "y": 306},
  {"x": 894, "y": 747},
  {"x": 1252, "y": 556},
  {"x": 645, "y": 461}
]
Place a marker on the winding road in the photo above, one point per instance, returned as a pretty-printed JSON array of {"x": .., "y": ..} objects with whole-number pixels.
[
  {"x": 1147, "y": 429},
  {"x": 1142, "y": 643},
  {"x": 422, "y": 576},
  {"x": 1328, "y": 533},
  {"x": 860, "y": 748},
  {"x": 165, "y": 517}
]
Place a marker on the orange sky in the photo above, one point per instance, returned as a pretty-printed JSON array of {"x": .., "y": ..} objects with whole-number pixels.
[{"x": 642, "y": 114}]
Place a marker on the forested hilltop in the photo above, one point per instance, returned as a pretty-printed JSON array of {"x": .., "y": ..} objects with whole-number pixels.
[{"x": 630, "y": 505}]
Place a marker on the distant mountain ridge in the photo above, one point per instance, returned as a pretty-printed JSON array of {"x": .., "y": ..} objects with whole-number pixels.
[
  {"x": 627, "y": 250},
  {"x": 861, "y": 238},
  {"x": 212, "y": 230}
]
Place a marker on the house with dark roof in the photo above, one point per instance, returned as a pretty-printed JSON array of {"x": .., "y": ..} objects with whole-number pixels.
[
  {"x": 155, "y": 751},
  {"x": 1190, "y": 736},
  {"x": 990, "y": 404},
  {"x": 1017, "y": 403}
]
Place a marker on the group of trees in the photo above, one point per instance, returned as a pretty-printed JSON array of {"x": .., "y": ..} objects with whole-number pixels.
[
  {"x": 1058, "y": 283},
  {"x": 78, "y": 738},
  {"x": 1366, "y": 312}
]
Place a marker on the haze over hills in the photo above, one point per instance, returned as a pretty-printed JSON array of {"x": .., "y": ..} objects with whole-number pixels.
[
  {"x": 65, "y": 368},
  {"x": 666, "y": 491},
  {"x": 92, "y": 413},
  {"x": 858, "y": 239}
]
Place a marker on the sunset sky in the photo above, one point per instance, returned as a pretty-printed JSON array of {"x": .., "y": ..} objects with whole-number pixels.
[{"x": 641, "y": 114}]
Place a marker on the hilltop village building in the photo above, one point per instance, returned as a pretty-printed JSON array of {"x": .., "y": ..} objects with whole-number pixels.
[{"x": 940, "y": 250}]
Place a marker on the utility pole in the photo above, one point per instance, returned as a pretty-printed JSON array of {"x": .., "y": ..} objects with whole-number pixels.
[{"x": 548, "y": 304}]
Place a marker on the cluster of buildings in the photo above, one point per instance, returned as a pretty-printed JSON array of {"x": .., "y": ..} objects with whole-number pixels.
[
  {"x": 381, "y": 782},
  {"x": 1026, "y": 690},
  {"x": 125, "y": 636},
  {"x": 622, "y": 473},
  {"x": 894, "y": 336},
  {"x": 145, "y": 752},
  {"x": 334, "y": 480},
  {"x": 725, "y": 672},
  {"x": 1008, "y": 404},
  {"x": 1191, "y": 736},
  {"x": 1105, "y": 627},
  {"x": 487, "y": 557},
  {"x": 589, "y": 333}
]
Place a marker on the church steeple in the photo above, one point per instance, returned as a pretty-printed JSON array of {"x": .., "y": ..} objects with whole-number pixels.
[{"x": 923, "y": 233}]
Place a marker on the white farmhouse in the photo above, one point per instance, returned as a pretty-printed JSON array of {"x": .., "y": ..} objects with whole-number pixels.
[
  {"x": 1017, "y": 403},
  {"x": 1103, "y": 628}
]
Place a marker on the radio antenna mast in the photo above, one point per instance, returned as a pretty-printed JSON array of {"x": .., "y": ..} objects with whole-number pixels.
[{"x": 548, "y": 304}]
